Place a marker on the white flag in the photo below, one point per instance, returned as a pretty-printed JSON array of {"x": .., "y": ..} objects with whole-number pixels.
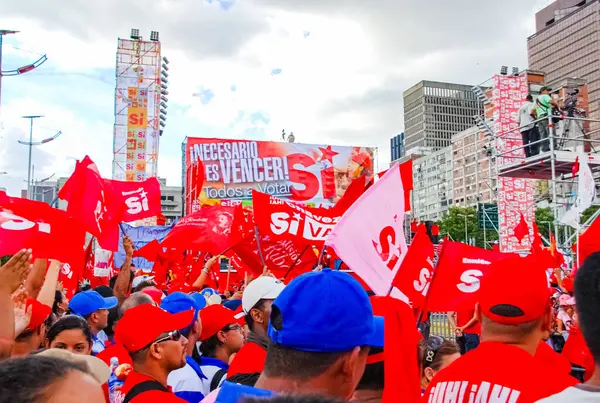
[{"x": 586, "y": 194}]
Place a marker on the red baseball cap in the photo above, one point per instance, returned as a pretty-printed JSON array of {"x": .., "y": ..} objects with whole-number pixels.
[
  {"x": 362, "y": 159},
  {"x": 39, "y": 313},
  {"x": 509, "y": 303},
  {"x": 154, "y": 293},
  {"x": 142, "y": 324},
  {"x": 214, "y": 318},
  {"x": 240, "y": 315}
]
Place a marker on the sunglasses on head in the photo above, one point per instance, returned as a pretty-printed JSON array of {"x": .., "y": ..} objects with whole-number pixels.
[{"x": 433, "y": 345}]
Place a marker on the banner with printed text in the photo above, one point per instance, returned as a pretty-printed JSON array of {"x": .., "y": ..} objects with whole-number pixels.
[
  {"x": 316, "y": 175},
  {"x": 515, "y": 195}
]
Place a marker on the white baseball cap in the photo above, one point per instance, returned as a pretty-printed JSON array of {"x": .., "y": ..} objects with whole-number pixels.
[
  {"x": 264, "y": 287},
  {"x": 138, "y": 280}
]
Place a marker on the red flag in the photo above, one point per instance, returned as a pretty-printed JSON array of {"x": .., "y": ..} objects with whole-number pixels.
[
  {"x": 207, "y": 230},
  {"x": 457, "y": 274},
  {"x": 49, "y": 232},
  {"x": 589, "y": 241},
  {"x": 352, "y": 193},
  {"x": 74, "y": 271},
  {"x": 578, "y": 353},
  {"x": 280, "y": 256},
  {"x": 575, "y": 168},
  {"x": 417, "y": 268},
  {"x": 90, "y": 202},
  {"x": 150, "y": 251},
  {"x": 401, "y": 367},
  {"x": 522, "y": 229},
  {"x": 282, "y": 219},
  {"x": 139, "y": 199}
]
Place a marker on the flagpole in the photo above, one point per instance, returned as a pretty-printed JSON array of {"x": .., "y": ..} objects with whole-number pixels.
[
  {"x": 295, "y": 262},
  {"x": 260, "y": 253}
]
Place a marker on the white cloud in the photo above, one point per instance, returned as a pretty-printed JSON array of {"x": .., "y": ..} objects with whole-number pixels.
[{"x": 342, "y": 84}]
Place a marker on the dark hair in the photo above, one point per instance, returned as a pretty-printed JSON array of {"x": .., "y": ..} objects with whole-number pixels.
[
  {"x": 27, "y": 379},
  {"x": 144, "y": 284},
  {"x": 69, "y": 322},
  {"x": 249, "y": 321},
  {"x": 286, "y": 362},
  {"x": 113, "y": 279},
  {"x": 447, "y": 348},
  {"x": 292, "y": 399},
  {"x": 529, "y": 97},
  {"x": 209, "y": 346},
  {"x": 245, "y": 379},
  {"x": 372, "y": 378},
  {"x": 58, "y": 298},
  {"x": 587, "y": 295}
]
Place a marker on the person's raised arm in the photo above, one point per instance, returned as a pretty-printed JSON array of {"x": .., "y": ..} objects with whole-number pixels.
[
  {"x": 205, "y": 272},
  {"x": 12, "y": 276},
  {"x": 123, "y": 281},
  {"x": 35, "y": 279},
  {"x": 46, "y": 295}
]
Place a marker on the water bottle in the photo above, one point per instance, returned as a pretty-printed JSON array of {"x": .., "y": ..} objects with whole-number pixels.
[{"x": 114, "y": 383}]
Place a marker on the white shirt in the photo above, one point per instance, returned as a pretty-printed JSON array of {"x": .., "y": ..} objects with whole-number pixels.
[
  {"x": 99, "y": 341},
  {"x": 525, "y": 118},
  {"x": 567, "y": 321},
  {"x": 575, "y": 394}
]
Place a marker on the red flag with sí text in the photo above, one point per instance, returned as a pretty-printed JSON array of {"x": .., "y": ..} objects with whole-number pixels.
[
  {"x": 415, "y": 272},
  {"x": 352, "y": 193},
  {"x": 91, "y": 202},
  {"x": 139, "y": 200},
  {"x": 522, "y": 229},
  {"x": 150, "y": 251},
  {"x": 49, "y": 232},
  {"x": 457, "y": 276},
  {"x": 207, "y": 230},
  {"x": 281, "y": 219},
  {"x": 74, "y": 271}
]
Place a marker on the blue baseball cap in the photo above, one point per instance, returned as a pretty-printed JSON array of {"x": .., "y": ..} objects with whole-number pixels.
[
  {"x": 179, "y": 302},
  {"x": 324, "y": 311},
  {"x": 232, "y": 304},
  {"x": 87, "y": 302},
  {"x": 200, "y": 300}
]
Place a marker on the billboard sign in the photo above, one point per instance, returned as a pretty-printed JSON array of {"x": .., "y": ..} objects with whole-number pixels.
[
  {"x": 515, "y": 195},
  {"x": 308, "y": 173}
]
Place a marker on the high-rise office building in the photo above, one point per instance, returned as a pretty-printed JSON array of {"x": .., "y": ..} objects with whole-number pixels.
[
  {"x": 567, "y": 45},
  {"x": 432, "y": 179},
  {"x": 434, "y": 112},
  {"x": 397, "y": 146}
]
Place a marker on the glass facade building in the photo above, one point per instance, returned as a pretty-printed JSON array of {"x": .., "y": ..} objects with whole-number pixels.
[{"x": 435, "y": 111}]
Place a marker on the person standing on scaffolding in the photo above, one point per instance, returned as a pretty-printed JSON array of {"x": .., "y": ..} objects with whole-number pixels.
[
  {"x": 528, "y": 130},
  {"x": 544, "y": 105}
]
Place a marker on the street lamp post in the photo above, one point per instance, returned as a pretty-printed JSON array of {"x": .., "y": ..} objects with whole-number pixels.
[
  {"x": 465, "y": 216},
  {"x": 30, "y": 144}
]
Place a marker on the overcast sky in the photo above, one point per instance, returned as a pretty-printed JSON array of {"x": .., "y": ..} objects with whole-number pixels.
[{"x": 343, "y": 67}]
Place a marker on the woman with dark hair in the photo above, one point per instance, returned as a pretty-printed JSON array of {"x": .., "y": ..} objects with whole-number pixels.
[
  {"x": 60, "y": 305},
  {"x": 435, "y": 354},
  {"x": 71, "y": 332}
]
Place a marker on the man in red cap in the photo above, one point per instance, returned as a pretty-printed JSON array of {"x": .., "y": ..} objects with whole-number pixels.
[
  {"x": 30, "y": 339},
  {"x": 157, "y": 347},
  {"x": 221, "y": 338},
  {"x": 513, "y": 322}
]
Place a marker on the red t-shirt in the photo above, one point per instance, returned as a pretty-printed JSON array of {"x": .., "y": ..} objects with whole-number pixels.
[
  {"x": 251, "y": 358},
  {"x": 497, "y": 372},
  {"x": 463, "y": 317},
  {"x": 152, "y": 396},
  {"x": 548, "y": 356}
]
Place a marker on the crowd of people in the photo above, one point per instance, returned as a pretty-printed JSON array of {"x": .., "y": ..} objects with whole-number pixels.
[{"x": 320, "y": 338}]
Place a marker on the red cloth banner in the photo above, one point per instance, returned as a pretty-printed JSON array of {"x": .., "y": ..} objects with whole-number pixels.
[
  {"x": 207, "y": 230},
  {"x": 139, "y": 199},
  {"x": 91, "y": 202},
  {"x": 281, "y": 219},
  {"x": 49, "y": 232},
  {"x": 416, "y": 270},
  {"x": 457, "y": 276}
]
